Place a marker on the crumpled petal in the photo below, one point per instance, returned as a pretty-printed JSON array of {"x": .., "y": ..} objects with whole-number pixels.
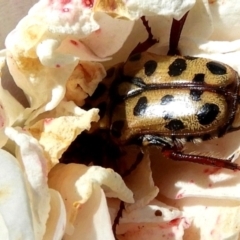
[
  {"x": 154, "y": 221},
  {"x": 77, "y": 183},
  {"x": 84, "y": 81},
  {"x": 56, "y": 134},
  {"x": 46, "y": 46},
  {"x": 44, "y": 86},
  {"x": 15, "y": 209},
  {"x": 31, "y": 156},
  {"x": 134, "y": 9},
  {"x": 56, "y": 222}
]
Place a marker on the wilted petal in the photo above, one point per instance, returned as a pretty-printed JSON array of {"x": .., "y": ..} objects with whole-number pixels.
[
  {"x": 46, "y": 46},
  {"x": 134, "y": 9},
  {"x": 56, "y": 134},
  {"x": 84, "y": 81}
]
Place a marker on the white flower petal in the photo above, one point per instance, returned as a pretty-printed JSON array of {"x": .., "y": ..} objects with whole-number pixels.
[
  {"x": 154, "y": 221},
  {"x": 93, "y": 220},
  {"x": 34, "y": 162},
  {"x": 56, "y": 222},
  {"x": 15, "y": 210},
  {"x": 211, "y": 218},
  {"x": 144, "y": 188},
  {"x": 194, "y": 180},
  {"x": 78, "y": 185}
]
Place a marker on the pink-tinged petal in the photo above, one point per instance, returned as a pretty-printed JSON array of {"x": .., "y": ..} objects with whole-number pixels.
[
  {"x": 154, "y": 221},
  {"x": 65, "y": 17},
  {"x": 34, "y": 163}
]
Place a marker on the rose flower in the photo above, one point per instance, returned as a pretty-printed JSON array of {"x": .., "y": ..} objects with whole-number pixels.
[{"x": 51, "y": 63}]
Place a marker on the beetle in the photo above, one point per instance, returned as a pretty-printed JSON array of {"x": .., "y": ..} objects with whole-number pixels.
[{"x": 166, "y": 101}]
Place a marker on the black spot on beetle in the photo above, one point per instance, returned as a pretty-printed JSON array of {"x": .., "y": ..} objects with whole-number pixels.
[
  {"x": 100, "y": 90},
  {"x": 166, "y": 99},
  {"x": 102, "y": 109},
  {"x": 175, "y": 125},
  {"x": 177, "y": 67},
  {"x": 158, "y": 213},
  {"x": 135, "y": 57},
  {"x": 196, "y": 94},
  {"x": 216, "y": 68},
  {"x": 140, "y": 107},
  {"x": 199, "y": 78},
  {"x": 116, "y": 128},
  {"x": 207, "y": 113},
  {"x": 190, "y": 58},
  {"x": 110, "y": 72},
  {"x": 150, "y": 67}
]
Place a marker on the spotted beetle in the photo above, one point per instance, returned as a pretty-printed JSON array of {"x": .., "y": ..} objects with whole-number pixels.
[{"x": 169, "y": 100}]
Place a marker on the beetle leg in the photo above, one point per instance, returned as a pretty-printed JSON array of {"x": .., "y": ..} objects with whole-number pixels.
[
  {"x": 175, "y": 33},
  {"x": 177, "y": 155}
]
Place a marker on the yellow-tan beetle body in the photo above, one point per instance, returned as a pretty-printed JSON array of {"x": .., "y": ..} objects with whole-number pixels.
[{"x": 167, "y": 100}]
